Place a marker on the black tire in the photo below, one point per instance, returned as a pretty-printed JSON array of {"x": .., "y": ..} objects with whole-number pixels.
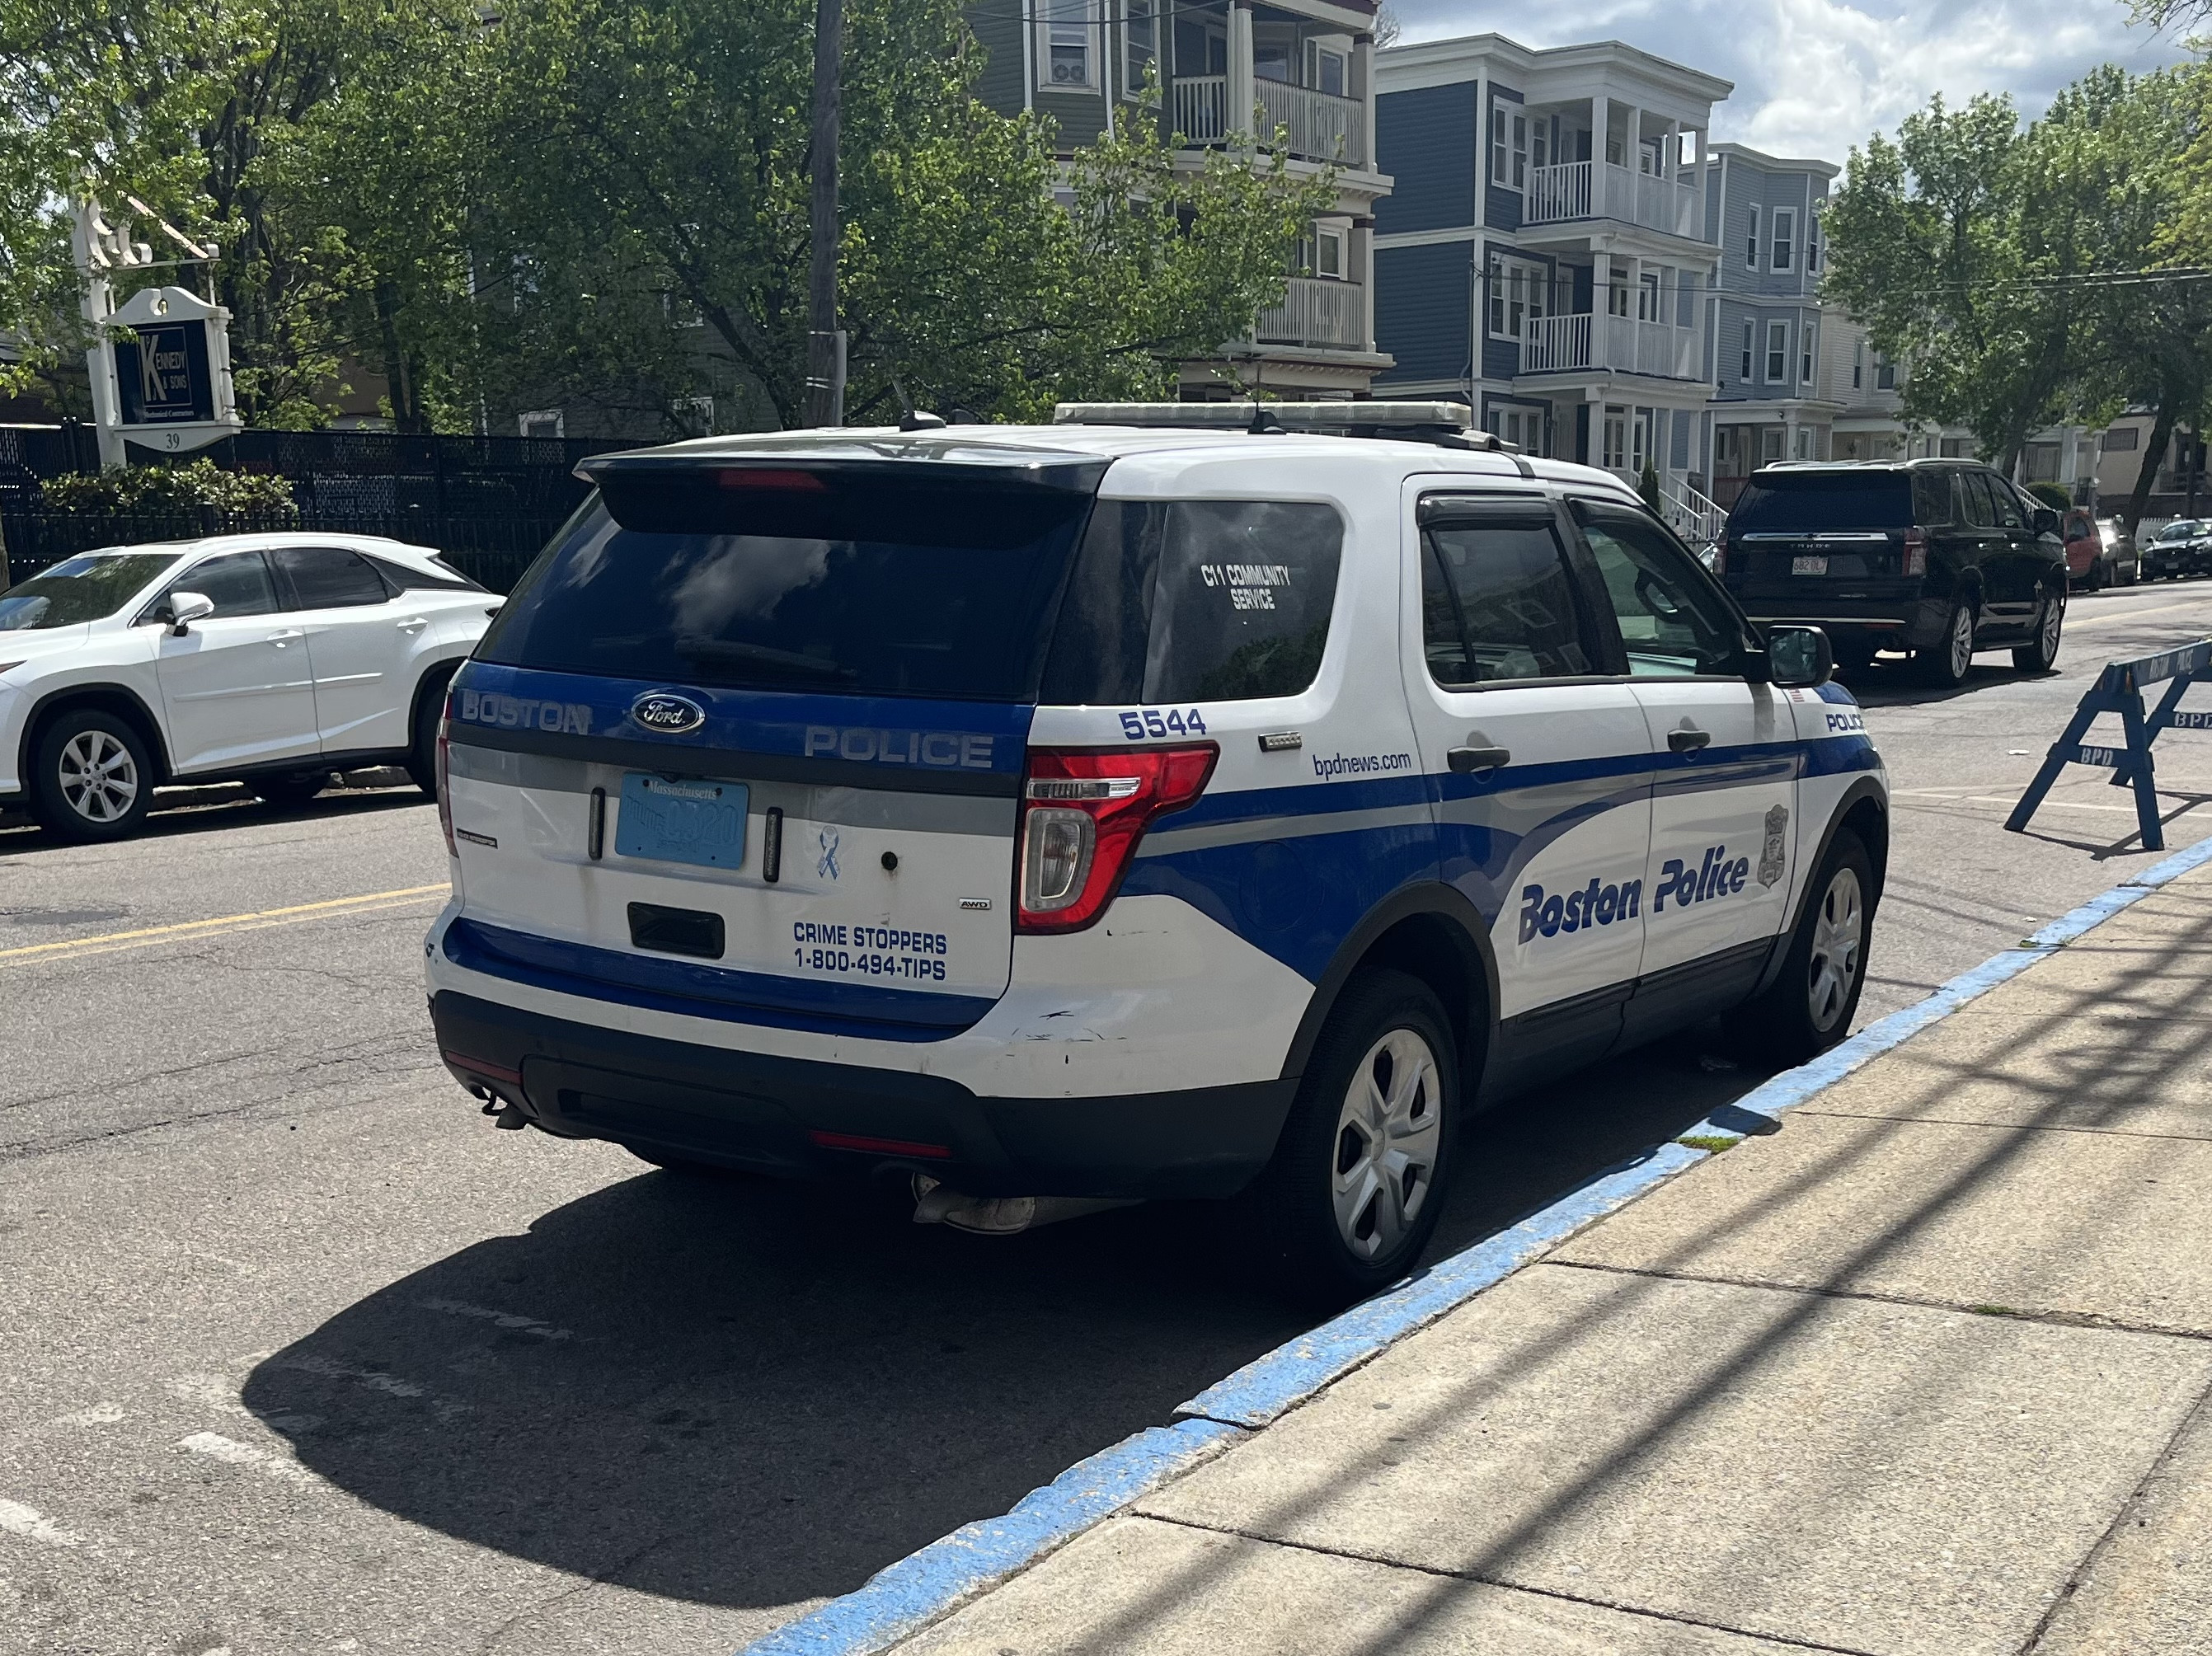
[
  {"x": 423, "y": 746},
  {"x": 2041, "y": 653},
  {"x": 92, "y": 777},
  {"x": 288, "y": 790},
  {"x": 1800, "y": 1016},
  {"x": 1324, "y": 1160},
  {"x": 1941, "y": 664}
]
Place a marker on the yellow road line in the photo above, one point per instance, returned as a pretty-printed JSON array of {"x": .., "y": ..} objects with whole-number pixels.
[
  {"x": 150, "y": 935},
  {"x": 2118, "y": 616}
]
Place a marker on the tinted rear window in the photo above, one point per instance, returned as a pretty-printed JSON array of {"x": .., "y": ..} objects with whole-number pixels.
[
  {"x": 1197, "y": 601},
  {"x": 800, "y": 581},
  {"x": 1813, "y": 500}
]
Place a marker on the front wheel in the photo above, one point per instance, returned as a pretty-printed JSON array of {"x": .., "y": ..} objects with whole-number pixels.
[
  {"x": 2041, "y": 653},
  {"x": 1809, "y": 1006},
  {"x": 92, "y": 777},
  {"x": 1358, "y": 1177}
]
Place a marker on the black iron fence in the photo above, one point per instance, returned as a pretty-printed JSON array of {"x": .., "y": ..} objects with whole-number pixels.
[{"x": 495, "y": 550}]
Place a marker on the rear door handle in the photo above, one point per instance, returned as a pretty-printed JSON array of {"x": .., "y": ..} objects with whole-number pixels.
[
  {"x": 1466, "y": 762},
  {"x": 280, "y": 639},
  {"x": 415, "y": 624},
  {"x": 1688, "y": 740}
]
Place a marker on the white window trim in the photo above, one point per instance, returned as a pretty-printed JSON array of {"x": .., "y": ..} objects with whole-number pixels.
[
  {"x": 1134, "y": 64},
  {"x": 1340, "y": 237},
  {"x": 1337, "y": 47},
  {"x": 1858, "y": 364},
  {"x": 1509, "y": 144},
  {"x": 1813, "y": 243},
  {"x": 1750, "y": 350},
  {"x": 1809, "y": 345},
  {"x": 1531, "y": 295},
  {"x": 1785, "y": 240},
  {"x": 1775, "y": 330},
  {"x": 1083, "y": 14},
  {"x": 1751, "y": 246},
  {"x": 530, "y": 417}
]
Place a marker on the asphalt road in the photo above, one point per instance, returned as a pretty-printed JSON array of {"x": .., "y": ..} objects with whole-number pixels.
[{"x": 298, "y": 1354}]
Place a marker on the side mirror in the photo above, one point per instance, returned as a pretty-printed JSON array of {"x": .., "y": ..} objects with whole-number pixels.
[
  {"x": 1799, "y": 658},
  {"x": 184, "y": 608},
  {"x": 2047, "y": 521}
]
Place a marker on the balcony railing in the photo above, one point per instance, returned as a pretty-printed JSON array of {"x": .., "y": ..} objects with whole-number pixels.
[
  {"x": 1584, "y": 190},
  {"x": 1553, "y": 344},
  {"x": 1319, "y": 126},
  {"x": 1314, "y": 312}
]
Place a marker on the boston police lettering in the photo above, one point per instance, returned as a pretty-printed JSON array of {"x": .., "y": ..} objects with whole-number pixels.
[{"x": 1595, "y": 904}]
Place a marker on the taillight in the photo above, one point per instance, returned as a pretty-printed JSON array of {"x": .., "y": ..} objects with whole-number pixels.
[
  {"x": 1721, "y": 556},
  {"x": 1083, "y": 815},
  {"x": 445, "y": 776},
  {"x": 1916, "y": 552}
]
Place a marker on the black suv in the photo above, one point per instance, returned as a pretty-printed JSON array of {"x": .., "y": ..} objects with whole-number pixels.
[{"x": 1939, "y": 557}]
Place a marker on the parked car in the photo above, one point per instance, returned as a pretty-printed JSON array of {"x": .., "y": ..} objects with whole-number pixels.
[
  {"x": 1941, "y": 558},
  {"x": 269, "y": 659},
  {"x": 2119, "y": 550},
  {"x": 2180, "y": 548},
  {"x": 2089, "y": 564},
  {"x": 1050, "y": 812}
]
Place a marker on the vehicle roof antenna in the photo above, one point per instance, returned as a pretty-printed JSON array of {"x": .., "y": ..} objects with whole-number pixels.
[
  {"x": 1264, "y": 424},
  {"x": 912, "y": 418}
]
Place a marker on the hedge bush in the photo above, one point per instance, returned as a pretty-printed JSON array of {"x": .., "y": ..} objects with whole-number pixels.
[{"x": 154, "y": 491}]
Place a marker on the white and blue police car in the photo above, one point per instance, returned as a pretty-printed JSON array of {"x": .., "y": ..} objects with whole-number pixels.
[{"x": 1159, "y": 803}]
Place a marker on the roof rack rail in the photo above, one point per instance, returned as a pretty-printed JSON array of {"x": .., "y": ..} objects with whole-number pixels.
[{"x": 1444, "y": 424}]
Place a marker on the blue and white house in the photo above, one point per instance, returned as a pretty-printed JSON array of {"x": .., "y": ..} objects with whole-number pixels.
[{"x": 1549, "y": 251}]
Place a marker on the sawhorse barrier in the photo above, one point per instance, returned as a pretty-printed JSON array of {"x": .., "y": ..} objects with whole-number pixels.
[{"x": 2118, "y": 689}]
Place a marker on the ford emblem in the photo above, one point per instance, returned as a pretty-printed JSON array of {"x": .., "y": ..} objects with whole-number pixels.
[{"x": 667, "y": 714}]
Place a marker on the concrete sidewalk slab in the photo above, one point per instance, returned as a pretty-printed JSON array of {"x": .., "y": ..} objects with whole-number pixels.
[
  {"x": 2103, "y": 1226},
  {"x": 1837, "y": 1472},
  {"x": 2150, "y": 1588},
  {"x": 1260, "y": 1599}
]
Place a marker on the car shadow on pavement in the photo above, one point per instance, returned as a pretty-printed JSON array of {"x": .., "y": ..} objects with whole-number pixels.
[
  {"x": 744, "y": 1393},
  {"x": 213, "y": 809}
]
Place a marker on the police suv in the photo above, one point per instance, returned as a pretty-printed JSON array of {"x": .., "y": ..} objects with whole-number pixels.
[{"x": 1137, "y": 806}]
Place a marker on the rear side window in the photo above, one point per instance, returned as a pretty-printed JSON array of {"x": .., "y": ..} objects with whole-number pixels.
[
  {"x": 1197, "y": 601},
  {"x": 404, "y": 577},
  {"x": 1781, "y": 501},
  {"x": 1974, "y": 493},
  {"x": 800, "y": 580},
  {"x": 328, "y": 577},
  {"x": 1932, "y": 501},
  {"x": 2009, "y": 512},
  {"x": 1498, "y": 603}
]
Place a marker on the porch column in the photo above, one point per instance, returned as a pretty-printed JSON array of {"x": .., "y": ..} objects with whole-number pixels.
[
  {"x": 1601, "y": 106},
  {"x": 1600, "y": 310},
  {"x": 1632, "y": 152},
  {"x": 1362, "y": 81},
  {"x": 1704, "y": 174},
  {"x": 1362, "y": 256},
  {"x": 1671, "y": 160},
  {"x": 1241, "y": 92}
]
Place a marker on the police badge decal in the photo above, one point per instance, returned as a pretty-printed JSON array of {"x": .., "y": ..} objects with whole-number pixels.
[{"x": 1772, "y": 860}]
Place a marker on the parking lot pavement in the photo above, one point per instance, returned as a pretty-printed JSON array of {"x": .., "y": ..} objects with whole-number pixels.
[
  {"x": 296, "y": 1349},
  {"x": 1888, "y": 1380}
]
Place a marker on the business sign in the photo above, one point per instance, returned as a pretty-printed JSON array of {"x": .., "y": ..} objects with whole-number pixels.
[{"x": 161, "y": 374}]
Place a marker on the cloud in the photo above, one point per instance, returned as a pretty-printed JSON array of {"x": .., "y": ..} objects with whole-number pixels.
[{"x": 1814, "y": 77}]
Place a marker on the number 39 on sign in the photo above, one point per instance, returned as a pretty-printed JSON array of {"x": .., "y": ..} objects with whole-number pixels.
[{"x": 1139, "y": 723}]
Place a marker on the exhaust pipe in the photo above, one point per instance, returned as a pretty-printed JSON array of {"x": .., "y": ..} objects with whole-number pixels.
[{"x": 936, "y": 1204}]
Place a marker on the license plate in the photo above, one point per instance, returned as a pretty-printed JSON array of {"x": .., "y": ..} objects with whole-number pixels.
[
  {"x": 701, "y": 823},
  {"x": 1813, "y": 566}
]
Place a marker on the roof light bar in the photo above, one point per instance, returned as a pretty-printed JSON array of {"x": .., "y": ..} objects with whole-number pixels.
[{"x": 1431, "y": 422}]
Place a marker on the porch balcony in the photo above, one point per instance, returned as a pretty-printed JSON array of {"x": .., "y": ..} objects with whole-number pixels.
[
  {"x": 1568, "y": 190},
  {"x": 1622, "y": 344},
  {"x": 1319, "y": 125},
  {"x": 1317, "y": 313}
]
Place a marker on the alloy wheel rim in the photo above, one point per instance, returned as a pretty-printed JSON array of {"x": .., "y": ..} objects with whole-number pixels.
[
  {"x": 1384, "y": 1152},
  {"x": 1962, "y": 642},
  {"x": 2054, "y": 617},
  {"x": 1837, "y": 939},
  {"x": 98, "y": 776}
]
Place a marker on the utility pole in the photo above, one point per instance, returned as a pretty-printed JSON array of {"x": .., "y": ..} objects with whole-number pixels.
[{"x": 825, "y": 341}]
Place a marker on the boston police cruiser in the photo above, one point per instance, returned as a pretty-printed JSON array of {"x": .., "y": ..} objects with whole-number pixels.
[{"x": 1156, "y": 803}]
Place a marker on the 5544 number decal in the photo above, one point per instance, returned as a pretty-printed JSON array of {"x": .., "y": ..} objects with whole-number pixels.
[{"x": 1138, "y": 722}]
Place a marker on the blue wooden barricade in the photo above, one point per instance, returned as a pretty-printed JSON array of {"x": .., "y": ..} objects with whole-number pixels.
[{"x": 2118, "y": 689}]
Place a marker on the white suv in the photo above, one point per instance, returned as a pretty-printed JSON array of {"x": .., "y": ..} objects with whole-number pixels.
[
  {"x": 1105, "y": 810},
  {"x": 274, "y": 659}
]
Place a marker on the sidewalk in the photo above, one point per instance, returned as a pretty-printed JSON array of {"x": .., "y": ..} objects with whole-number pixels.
[{"x": 1927, "y": 1371}]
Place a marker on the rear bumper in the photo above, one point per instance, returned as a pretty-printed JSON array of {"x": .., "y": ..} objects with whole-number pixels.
[
  {"x": 804, "y": 1118},
  {"x": 1912, "y": 624}
]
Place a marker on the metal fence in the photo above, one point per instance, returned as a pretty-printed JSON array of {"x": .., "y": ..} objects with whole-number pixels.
[{"x": 495, "y": 550}]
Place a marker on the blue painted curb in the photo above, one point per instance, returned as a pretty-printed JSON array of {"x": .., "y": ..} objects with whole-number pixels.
[{"x": 901, "y": 1597}]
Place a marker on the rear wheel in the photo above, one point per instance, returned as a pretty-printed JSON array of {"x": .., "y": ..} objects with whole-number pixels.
[
  {"x": 2041, "y": 653},
  {"x": 1809, "y": 1006},
  {"x": 1946, "y": 662},
  {"x": 1358, "y": 1177},
  {"x": 423, "y": 746},
  {"x": 92, "y": 778}
]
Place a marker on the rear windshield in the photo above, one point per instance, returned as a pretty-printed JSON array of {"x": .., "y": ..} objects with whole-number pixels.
[
  {"x": 88, "y": 588},
  {"x": 1196, "y": 601},
  {"x": 800, "y": 581},
  {"x": 1813, "y": 500}
]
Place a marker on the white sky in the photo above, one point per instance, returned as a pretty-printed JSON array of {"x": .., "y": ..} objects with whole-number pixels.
[{"x": 1813, "y": 77}]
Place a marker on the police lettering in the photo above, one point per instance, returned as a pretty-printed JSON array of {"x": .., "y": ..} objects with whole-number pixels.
[
  {"x": 1597, "y": 904},
  {"x": 1715, "y": 875},
  {"x": 938, "y": 750}
]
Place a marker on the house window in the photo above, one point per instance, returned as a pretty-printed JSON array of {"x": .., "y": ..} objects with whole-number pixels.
[
  {"x": 1614, "y": 448},
  {"x": 1813, "y": 241},
  {"x": 1885, "y": 374},
  {"x": 1140, "y": 44},
  {"x": 1804, "y": 442},
  {"x": 1065, "y": 28},
  {"x": 1858, "y": 364},
  {"x": 1951, "y": 448},
  {"x": 1326, "y": 257},
  {"x": 1777, "y": 352},
  {"x": 2122, "y": 440},
  {"x": 1785, "y": 237},
  {"x": 1640, "y": 438},
  {"x": 542, "y": 422},
  {"x": 1744, "y": 372},
  {"x": 1325, "y": 68},
  {"x": 1647, "y": 298},
  {"x": 693, "y": 415},
  {"x": 1807, "y": 347},
  {"x": 1509, "y": 148},
  {"x": 1521, "y": 426},
  {"x": 1517, "y": 296},
  {"x": 1769, "y": 444},
  {"x": 1751, "y": 244}
]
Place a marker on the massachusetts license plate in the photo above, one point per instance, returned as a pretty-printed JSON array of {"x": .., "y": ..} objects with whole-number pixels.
[
  {"x": 1813, "y": 566},
  {"x": 701, "y": 822}
]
